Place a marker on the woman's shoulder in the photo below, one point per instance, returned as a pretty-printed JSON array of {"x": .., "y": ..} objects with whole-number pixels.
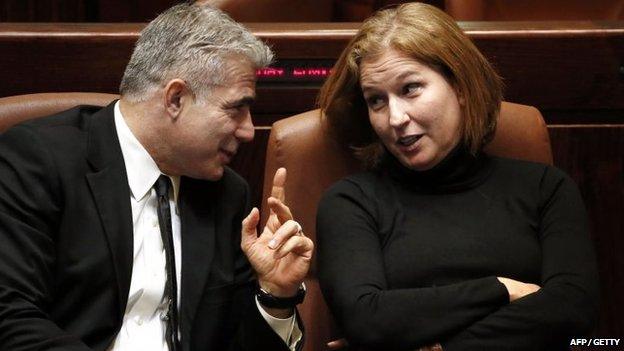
[
  {"x": 543, "y": 177},
  {"x": 527, "y": 168},
  {"x": 360, "y": 189},
  {"x": 362, "y": 183}
]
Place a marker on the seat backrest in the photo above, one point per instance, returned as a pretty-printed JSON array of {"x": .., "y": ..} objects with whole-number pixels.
[
  {"x": 314, "y": 161},
  {"x": 15, "y": 109}
]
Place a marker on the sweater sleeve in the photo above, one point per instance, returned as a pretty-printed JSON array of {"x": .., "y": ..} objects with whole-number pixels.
[
  {"x": 351, "y": 273},
  {"x": 566, "y": 305}
]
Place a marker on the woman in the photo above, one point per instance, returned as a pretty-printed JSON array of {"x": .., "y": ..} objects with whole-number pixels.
[{"x": 438, "y": 242}]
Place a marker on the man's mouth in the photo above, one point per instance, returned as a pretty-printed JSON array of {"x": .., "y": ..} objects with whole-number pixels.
[
  {"x": 229, "y": 154},
  {"x": 409, "y": 140}
]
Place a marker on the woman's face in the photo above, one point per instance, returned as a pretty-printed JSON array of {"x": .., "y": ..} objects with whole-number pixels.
[{"x": 413, "y": 109}]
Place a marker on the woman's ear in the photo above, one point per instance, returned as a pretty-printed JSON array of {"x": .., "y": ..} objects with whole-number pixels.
[{"x": 460, "y": 96}]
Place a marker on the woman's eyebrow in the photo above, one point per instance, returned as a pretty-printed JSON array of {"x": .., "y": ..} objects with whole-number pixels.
[
  {"x": 401, "y": 76},
  {"x": 408, "y": 74}
]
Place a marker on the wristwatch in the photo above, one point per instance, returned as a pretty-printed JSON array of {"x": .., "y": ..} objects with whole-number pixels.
[{"x": 271, "y": 301}]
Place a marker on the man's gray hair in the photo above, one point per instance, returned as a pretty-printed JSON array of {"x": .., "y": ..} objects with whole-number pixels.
[{"x": 191, "y": 42}]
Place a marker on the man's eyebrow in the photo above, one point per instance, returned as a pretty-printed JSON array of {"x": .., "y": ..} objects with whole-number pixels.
[{"x": 245, "y": 100}]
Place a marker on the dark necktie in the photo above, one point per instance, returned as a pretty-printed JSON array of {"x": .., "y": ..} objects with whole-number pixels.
[{"x": 162, "y": 186}]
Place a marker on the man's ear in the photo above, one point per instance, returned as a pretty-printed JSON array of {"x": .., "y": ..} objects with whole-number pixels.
[{"x": 176, "y": 94}]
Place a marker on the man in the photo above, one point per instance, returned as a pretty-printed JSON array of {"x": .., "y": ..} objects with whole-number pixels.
[{"x": 122, "y": 229}]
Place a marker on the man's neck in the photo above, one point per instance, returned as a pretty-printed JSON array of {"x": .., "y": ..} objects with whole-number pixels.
[{"x": 142, "y": 119}]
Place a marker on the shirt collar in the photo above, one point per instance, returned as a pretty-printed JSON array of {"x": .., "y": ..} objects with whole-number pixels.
[{"x": 141, "y": 169}]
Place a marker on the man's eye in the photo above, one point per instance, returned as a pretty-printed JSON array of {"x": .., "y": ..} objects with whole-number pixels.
[{"x": 237, "y": 107}]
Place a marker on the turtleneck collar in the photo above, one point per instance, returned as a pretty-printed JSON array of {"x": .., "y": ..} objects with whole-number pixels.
[{"x": 459, "y": 170}]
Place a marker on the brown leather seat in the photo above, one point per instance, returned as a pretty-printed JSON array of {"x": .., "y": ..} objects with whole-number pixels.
[
  {"x": 314, "y": 162},
  {"x": 535, "y": 10},
  {"x": 15, "y": 109}
]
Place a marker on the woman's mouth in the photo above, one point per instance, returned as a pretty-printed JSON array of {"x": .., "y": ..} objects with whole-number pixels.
[{"x": 407, "y": 141}]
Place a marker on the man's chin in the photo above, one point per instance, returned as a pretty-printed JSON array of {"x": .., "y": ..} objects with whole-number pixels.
[{"x": 213, "y": 173}]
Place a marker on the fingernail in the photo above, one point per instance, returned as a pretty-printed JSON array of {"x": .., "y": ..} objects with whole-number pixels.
[{"x": 272, "y": 243}]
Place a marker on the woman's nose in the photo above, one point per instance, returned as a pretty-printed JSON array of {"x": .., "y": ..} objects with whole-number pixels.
[{"x": 398, "y": 110}]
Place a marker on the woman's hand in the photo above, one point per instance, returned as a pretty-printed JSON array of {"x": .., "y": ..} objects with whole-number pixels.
[
  {"x": 337, "y": 344},
  {"x": 342, "y": 343},
  {"x": 518, "y": 289}
]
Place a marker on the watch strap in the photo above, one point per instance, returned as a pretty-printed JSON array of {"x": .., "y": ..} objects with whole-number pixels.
[{"x": 266, "y": 299}]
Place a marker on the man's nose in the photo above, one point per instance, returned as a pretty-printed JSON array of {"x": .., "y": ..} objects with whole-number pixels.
[{"x": 245, "y": 131}]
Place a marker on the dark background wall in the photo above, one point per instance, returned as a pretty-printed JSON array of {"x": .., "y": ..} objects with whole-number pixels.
[
  {"x": 102, "y": 11},
  {"x": 144, "y": 10},
  {"x": 81, "y": 10}
]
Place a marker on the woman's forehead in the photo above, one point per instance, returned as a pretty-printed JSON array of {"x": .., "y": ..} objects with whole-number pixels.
[{"x": 392, "y": 64}]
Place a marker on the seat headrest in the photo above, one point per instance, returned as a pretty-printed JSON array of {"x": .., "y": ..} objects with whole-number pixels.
[{"x": 15, "y": 109}]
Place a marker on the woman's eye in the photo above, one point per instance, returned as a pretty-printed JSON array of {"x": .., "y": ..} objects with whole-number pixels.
[
  {"x": 412, "y": 88},
  {"x": 374, "y": 102}
]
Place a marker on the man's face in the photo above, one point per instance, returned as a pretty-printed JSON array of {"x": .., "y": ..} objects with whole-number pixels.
[{"x": 207, "y": 133}]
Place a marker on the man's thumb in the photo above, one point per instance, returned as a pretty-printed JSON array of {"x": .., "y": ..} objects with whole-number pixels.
[{"x": 250, "y": 224}]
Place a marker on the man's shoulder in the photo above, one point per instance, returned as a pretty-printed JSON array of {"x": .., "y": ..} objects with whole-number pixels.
[
  {"x": 230, "y": 194},
  {"x": 231, "y": 177},
  {"x": 77, "y": 117},
  {"x": 231, "y": 184},
  {"x": 60, "y": 140},
  {"x": 59, "y": 128}
]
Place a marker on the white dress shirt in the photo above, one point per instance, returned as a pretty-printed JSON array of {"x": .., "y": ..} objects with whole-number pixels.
[{"x": 143, "y": 328}]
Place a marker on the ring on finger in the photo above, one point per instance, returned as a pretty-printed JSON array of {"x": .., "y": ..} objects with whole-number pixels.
[{"x": 299, "y": 229}]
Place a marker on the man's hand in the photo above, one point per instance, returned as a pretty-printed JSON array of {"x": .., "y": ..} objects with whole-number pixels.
[{"x": 281, "y": 254}]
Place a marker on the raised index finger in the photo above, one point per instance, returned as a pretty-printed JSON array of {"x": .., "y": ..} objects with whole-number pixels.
[
  {"x": 279, "y": 209},
  {"x": 279, "y": 181}
]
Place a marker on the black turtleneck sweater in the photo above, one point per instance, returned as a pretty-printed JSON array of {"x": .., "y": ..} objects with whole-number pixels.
[{"x": 408, "y": 259}]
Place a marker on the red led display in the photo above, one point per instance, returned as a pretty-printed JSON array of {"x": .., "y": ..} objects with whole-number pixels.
[
  {"x": 270, "y": 72},
  {"x": 311, "y": 72},
  {"x": 293, "y": 73}
]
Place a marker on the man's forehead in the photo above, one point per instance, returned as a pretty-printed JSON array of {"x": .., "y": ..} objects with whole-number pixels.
[
  {"x": 237, "y": 81},
  {"x": 236, "y": 65},
  {"x": 235, "y": 91}
]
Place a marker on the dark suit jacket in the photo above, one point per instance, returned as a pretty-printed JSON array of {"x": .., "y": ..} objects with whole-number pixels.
[{"x": 66, "y": 244}]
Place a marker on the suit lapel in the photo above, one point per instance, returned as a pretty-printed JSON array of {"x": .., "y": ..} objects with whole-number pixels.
[
  {"x": 109, "y": 185},
  {"x": 197, "y": 213}
]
